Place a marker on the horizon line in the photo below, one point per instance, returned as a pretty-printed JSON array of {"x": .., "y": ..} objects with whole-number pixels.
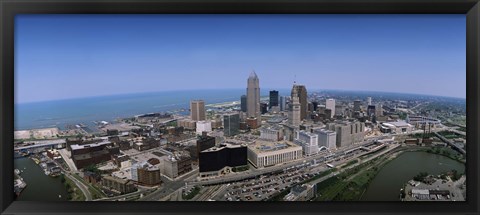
[{"x": 181, "y": 90}]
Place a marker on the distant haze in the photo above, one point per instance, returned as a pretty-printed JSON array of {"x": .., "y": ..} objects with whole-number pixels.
[{"x": 69, "y": 56}]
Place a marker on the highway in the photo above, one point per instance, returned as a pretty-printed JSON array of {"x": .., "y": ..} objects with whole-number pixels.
[
  {"x": 128, "y": 195},
  {"x": 169, "y": 187},
  {"x": 257, "y": 172},
  {"x": 43, "y": 143}
]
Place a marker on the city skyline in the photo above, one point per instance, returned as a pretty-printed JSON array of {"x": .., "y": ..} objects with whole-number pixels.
[{"x": 95, "y": 53}]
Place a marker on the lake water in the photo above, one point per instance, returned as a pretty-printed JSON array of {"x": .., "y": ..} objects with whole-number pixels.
[
  {"x": 86, "y": 110},
  {"x": 40, "y": 187},
  {"x": 391, "y": 178}
]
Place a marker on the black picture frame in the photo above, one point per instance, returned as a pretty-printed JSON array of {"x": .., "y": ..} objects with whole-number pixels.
[{"x": 10, "y": 8}]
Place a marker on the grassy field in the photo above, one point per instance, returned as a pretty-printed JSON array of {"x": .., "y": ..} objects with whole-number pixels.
[
  {"x": 448, "y": 152},
  {"x": 349, "y": 185},
  {"x": 74, "y": 193}
]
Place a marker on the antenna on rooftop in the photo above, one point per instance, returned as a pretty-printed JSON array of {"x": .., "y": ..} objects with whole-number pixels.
[{"x": 295, "y": 79}]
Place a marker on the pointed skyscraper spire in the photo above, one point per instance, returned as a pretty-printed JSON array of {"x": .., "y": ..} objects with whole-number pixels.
[{"x": 253, "y": 75}]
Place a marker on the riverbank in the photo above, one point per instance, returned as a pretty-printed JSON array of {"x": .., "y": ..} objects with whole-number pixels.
[
  {"x": 408, "y": 163},
  {"x": 353, "y": 184},
  {"x": 40, "y": 186}
]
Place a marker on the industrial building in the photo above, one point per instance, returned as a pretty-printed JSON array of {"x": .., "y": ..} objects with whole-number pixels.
[
  {"x": 118, "y": 185},
  {"x": 95, "y": 153},
  {"x": 268, "y": 153}
]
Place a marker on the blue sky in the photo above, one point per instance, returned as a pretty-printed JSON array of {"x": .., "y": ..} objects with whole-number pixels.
[{"x": 69, "y": 56}]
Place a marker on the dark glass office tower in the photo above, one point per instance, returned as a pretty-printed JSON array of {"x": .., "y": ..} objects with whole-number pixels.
[
  {"x": 243, "y": 103},
  {"x": 273, "y": 99}
]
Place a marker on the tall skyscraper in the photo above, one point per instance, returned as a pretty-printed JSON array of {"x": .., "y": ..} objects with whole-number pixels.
[
  {"x": 197, "y": 110},
  {"x": 356, "y": 105},
  {"x": 283, "y": 103},
  {"x": 231, "y": 124},
  {"x": 253, "y": 97},
  {"x": 371, "y": 110},
  {"x": 315, "y": 105},
  {"x": 301, "y": 92},
  {"x": 330, "y": 104},
  {"x": 295, "y": 111},
  {"x": 379, "y": 110},
  {"x": 369, "y": 100},
  {"x": 263, "y": 108},
  {"x": 243, "y": 103},
  {"x": 273, "y": 99}
]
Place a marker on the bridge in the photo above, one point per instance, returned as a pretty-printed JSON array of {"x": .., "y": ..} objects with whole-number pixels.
[
  {"x": 43, "y": 144},
  {"x": 453, "y": 145}
]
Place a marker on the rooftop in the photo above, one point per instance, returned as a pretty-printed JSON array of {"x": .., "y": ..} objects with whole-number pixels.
[
  {"x": 268, "y": 146},
  {"x": 76, "y": 146},
  {"x": 224, "y": 145},
  {"x": 397, "y": 124}
]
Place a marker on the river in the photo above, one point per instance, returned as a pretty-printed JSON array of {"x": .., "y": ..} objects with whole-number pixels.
[
  {"x": 40, "y": 187},
  {"x": 386, "y": 185}
]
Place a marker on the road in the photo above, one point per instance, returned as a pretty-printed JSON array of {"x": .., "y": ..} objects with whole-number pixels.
[
  {"x": 79, "y": 184},
  {"x": 169, "y": 187},
  {"x": 128, "y": 195},
  {"x": 257, "y": 172},
  {"x": 391, "y": 147}
]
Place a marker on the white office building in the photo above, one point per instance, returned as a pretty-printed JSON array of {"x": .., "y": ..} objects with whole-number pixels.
[
  {"x": 204, "y": 126},
  {"x": 308, "y": 141},
  {"x": 326, "y": 138},
  {"x": 330, "y": 104}
]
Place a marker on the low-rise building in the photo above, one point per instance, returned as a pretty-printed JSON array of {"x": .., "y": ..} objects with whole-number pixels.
[
  {"x": 53, "y": 154},
  {"x": 148, "y": 175},
  {"x": 272, "y": 133},
  {"x": 177, "y": 165},
  {"x": 118, "y": 185},
  {"x": 84, "y": 155},
  {"x": 397, "y": 127},
  {"x": 302, "y": 192}
]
